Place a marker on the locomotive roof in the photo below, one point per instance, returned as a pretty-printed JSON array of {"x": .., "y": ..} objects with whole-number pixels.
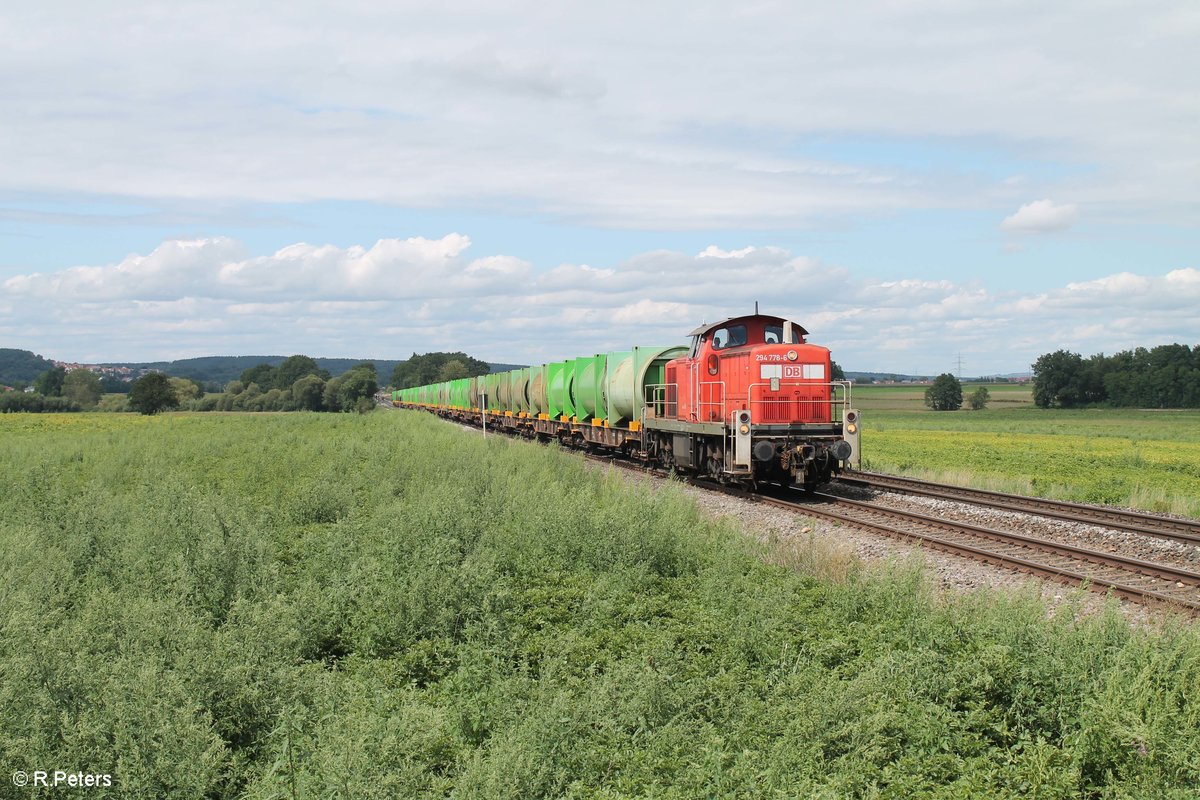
[{"x": 709, "y": 326}]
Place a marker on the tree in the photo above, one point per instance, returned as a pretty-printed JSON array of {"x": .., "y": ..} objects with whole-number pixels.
[
  {"x": 50, "y": 382},
  {"x": 152, "y": 393},
  {"x": 357, "y": 383},
  {"x": 452, "y": 371},
  {"x": 186, "y": 389},
  {"x": 945, "y": 394},
  {"x": 1056, "y": 378},
  {"x": 343, "y": 392},
  {"x": 424, "y": 369},
  {"x": 82, "y": 386},
  {"x": 836, "y": 372},
  {"x": 979, "y": 399},
  {"x": 294, "y": 368},
  {"x": 262, "y": 374},
  {"x": 307, "y": 393}
]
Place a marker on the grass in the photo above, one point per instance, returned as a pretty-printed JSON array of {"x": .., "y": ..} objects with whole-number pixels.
[
  {"x": 303, "y": 605},
  {"x": 1142, "y": 459}
]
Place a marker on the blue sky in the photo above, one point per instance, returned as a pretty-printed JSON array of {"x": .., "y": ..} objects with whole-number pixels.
[{"x": 911, "y": 182}]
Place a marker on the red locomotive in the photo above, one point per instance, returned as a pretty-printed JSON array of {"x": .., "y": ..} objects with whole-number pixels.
[{"x": 752, "y": 400}]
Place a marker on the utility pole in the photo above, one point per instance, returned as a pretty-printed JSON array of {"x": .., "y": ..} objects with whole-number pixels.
[{"x": 960, "y": 366}]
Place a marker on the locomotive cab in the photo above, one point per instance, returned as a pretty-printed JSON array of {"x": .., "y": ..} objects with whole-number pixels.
[{"x": 756, "y": 382}]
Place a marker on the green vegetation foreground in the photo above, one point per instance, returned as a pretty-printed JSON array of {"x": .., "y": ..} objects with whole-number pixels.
[{"x": 386, "y": 606}]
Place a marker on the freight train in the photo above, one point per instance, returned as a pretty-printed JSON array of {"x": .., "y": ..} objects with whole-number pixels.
[{"x": 747, "y": 401}]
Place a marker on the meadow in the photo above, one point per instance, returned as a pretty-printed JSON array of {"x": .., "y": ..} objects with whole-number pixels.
[
  {"x": 1142, "y": 459},
  {"x": 304, "y": 605}
]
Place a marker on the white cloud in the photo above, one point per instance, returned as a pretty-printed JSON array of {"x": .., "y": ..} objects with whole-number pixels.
[
  {"x": 416, "y": 295},
  {"x": 594, "y": 115},
  {"x": 1041, "y": 216}
]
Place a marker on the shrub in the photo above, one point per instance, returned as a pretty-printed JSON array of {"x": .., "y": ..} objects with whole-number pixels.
[{"x": 945, "y": 394}]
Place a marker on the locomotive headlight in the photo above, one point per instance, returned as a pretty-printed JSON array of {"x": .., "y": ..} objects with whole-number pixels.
[
  {"x": 744, "y": 429},
  {"x": 792, "y": 355},
  {"x": 851, "y": 428}
]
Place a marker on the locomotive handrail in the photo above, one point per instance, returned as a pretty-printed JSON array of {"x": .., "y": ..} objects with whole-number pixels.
[
  {"x": 835, "y": 402},
  {"x": 661, "y": 399},
  {"x": 657, "y": 395},
  {"x": 719, "y": 404}
]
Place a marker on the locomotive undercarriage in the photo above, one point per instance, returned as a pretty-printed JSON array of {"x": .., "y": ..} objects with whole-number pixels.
[
  {"x": 780, "y": 454},
  {"x": 787, "y": 460}
]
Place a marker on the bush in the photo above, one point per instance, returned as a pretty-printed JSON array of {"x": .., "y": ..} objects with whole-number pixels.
[
  {"x": 152, "y": 393},
  {"x": 114, "y": 402},
  {"x": 945, "y": 394},
  {"x": 33, "y": 402}
]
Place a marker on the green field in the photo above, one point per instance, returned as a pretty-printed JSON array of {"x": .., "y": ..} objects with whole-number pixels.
[
  {"x": 303, "y": 606},
  {"x": 1144, "y": 459}
]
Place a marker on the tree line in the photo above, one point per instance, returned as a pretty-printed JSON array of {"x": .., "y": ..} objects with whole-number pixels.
[
  {"x": 297, "y": 384},
  {"x": 421, "y": 370},
  {"x": 1167, "y": 376}
]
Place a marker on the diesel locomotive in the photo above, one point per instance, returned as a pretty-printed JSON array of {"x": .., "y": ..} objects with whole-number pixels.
[{"x": 747, "y": 401}]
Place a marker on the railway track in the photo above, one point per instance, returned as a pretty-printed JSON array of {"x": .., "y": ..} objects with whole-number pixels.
[
  {"x": 1179, "y": 530},
  {"x": 1131, "y": 578}
]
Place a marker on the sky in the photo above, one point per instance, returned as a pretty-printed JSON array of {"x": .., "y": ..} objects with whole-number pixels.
[{"x": 921, "y": 184}]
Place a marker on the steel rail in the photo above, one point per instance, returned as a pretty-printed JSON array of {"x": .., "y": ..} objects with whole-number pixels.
[
  {"x": 1126, "y": 577},
  {"x": 1179, "y": 530}
]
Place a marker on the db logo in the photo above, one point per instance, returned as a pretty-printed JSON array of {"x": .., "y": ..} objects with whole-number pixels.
[{"x": 793, "y": 371}]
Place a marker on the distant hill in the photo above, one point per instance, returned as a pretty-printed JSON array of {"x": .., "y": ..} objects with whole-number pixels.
[
  {"x": 21, "y": 366},
  {"x": 223, "y": 369},
  {"x": 896, "y": 377}
]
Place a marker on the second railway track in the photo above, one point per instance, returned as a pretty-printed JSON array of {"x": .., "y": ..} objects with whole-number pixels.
[
  {"x": 1178, "y": 530},
  {"x": 1131, "y": 578}
]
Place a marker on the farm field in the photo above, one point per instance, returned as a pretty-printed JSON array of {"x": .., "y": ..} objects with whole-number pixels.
[
  {"x": 1143, "y": 459},
  {"x": 303, "y": 605}
]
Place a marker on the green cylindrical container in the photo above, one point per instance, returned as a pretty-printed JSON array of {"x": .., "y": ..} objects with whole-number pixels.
[
  {"x": 521, "y": 390},
  {"x": 589, "y": 388},
  {"x": 561, "y": 375},
  {"x": 628, "y": 375},
  {"x": 504, "y": 391},
  {"x": 492, "y": 383},
  {"x": 538, "y": 400}
]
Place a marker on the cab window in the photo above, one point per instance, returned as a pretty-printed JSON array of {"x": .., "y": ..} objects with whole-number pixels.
[
  {"x": 773, "y": 334},
  {"x": 733, "y": 336}
]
